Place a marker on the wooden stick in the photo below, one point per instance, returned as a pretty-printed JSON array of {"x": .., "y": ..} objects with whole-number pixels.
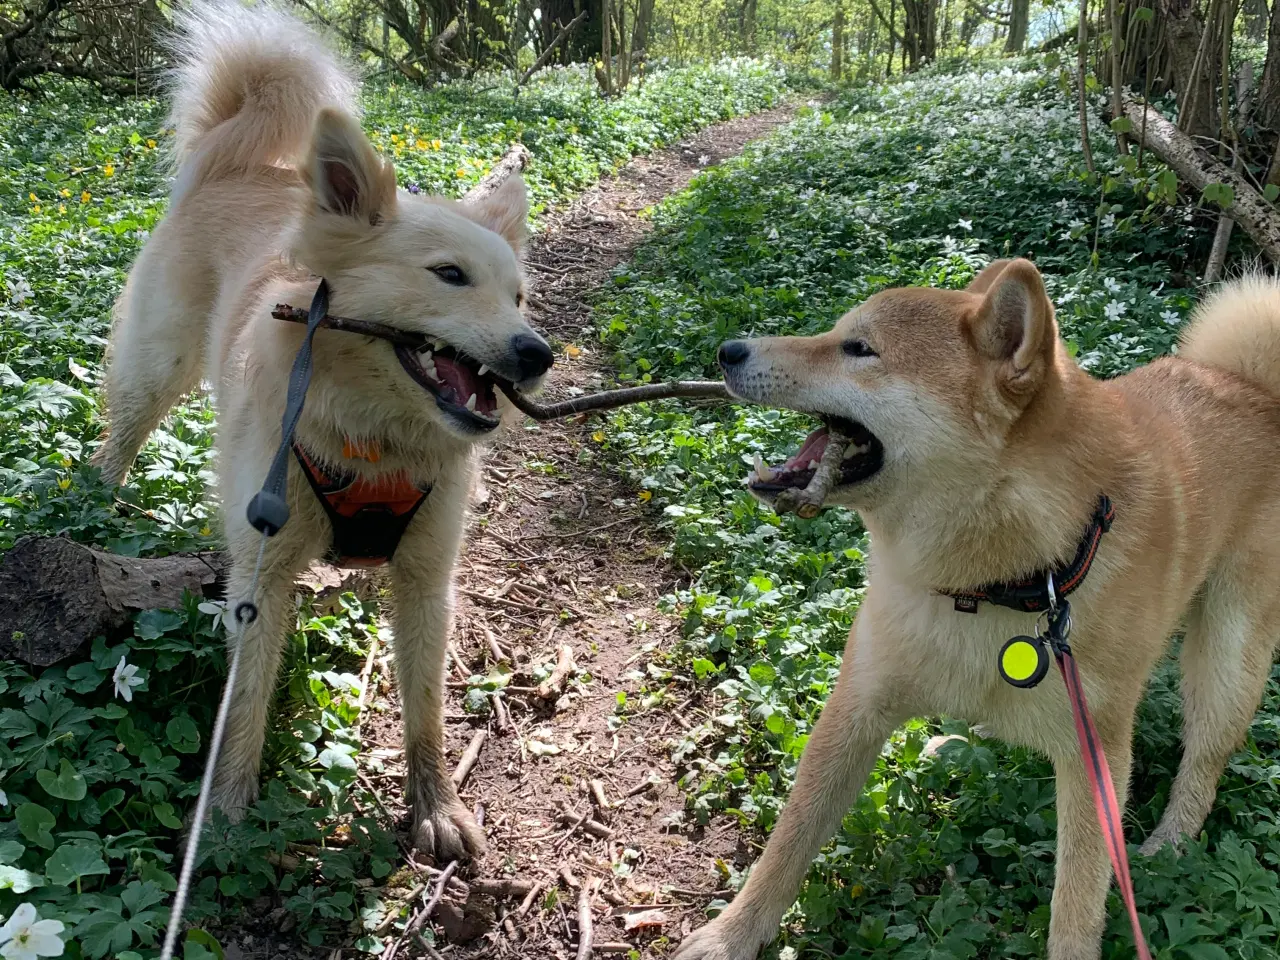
[
  {"x": 529, "y": 897},
  {"x": 513, "y": 162},
  {"x": 585, "y": 929},
  {"x": 554, "y": 685},
  {"x": 597, "y": 794},
  {"x": 808, "y": 502},
  {"x": 505, "y": 888},
  {"x": 498, "y": 653},
  {"x": 469, "y": 757},
  {"x": 501, "y": 715},
  {"x": 604, "y": 400}
]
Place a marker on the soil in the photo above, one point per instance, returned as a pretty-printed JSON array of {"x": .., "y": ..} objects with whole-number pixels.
[{"x": 561, "y": 552}]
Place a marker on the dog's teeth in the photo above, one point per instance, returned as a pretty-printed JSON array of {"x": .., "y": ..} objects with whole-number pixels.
[
  {"x": 855, "y": 450},
  {"x": 471, "y": 403},
  {"x": 764, "y": 472},
  {"x": 813, "y": 464},
  {"x": 438, "y": 344},
  {"x": 424, "y": 353},
  {"x": 482, "y": 371},
  {"x": 429, "y": 369}
]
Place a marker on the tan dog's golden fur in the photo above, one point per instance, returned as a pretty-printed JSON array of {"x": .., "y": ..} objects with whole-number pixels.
[
  {"x": 276, "y": 186},
  {"x": 996, "y": 448}
]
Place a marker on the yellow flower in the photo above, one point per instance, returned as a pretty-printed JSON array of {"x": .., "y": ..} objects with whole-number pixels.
[
  {"x": 205, "y": 531},
  {"x": 85, "y": 197},
  {"x": 598, "y": 436},
  {"x": 422, "y": 144},
  {"x": 856, "y": 891},
  {"x": 461, "y": 172},
  {"x": 109, "y": 170},
  {"x": 62, "y": 208},
  {"x": 36, "y": 208},
  {"x": 408, "y": 126},
  {"x": 151, "y": 144},
  {"x": 646, "y": 496},
  {"x": 64, "y": 483},
  {"x": 33, "y": 197},
  {"x": 572, "y": 351},
  {"x": 64, "y": 192},
  {"x": 436, "y": 144},
  {"x": 918, "y": 147}
]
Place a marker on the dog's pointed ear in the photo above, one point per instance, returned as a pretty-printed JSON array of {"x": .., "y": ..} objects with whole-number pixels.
[
  {"x": 1014, "y": 326},
  {"x": 345, "y": 173},
  {"x": 987, "y": 276},
  {"x": 505, "y": 211}
]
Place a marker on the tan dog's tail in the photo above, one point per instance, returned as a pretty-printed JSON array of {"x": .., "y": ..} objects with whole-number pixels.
[
  {"x": 1238, "y": 329},
  {"x": 248, "y": 84}
]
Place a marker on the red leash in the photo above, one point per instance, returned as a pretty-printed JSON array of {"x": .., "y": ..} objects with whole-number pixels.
[{"x": 1095, "y": 765}]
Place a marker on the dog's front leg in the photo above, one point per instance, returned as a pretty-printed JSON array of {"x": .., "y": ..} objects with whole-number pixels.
[
  {"x": 1083, "y": 872},
  {"x": 236, "y": 780},
  {"x": 423, "y": 603},
  {"x": 848, "y": 737}
]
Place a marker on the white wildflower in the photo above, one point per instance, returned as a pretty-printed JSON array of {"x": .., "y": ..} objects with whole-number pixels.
[
  {"x": 125, "y": 679},
  {"x": 27, "y": 937},
  {"x": 1111, "y": 284},
  {"x": 1171, "y": 318},
  {"x": 703, "y": 160},
  {"x": 964, "y": 224},
  {"x": 1115, "y": 310}
]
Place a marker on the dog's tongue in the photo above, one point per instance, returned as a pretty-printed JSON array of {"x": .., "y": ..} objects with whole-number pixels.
[
  {"x": 812, "y": 449},
  {"x": 464, "y": 382}
]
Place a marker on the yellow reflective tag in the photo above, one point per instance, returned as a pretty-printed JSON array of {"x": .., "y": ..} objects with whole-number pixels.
[{"x": 1020, "y": 660}]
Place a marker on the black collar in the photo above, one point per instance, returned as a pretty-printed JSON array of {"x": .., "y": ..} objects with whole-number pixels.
[{"x": 1031, "y": 595}]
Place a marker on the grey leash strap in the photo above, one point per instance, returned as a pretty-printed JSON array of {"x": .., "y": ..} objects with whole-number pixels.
[{"x": 268, "y": 512}]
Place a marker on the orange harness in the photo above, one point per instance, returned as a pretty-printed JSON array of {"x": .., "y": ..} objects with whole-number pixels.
[{"x": 368, "y": 516}]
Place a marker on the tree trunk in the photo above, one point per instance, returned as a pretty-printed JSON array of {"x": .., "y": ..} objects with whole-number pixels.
[
  {"x": 644, "y": 21},
  {"x": 748, "y": 26},
  {"x": 1268, "y": 108},
  {"x": 837, "y": 43},
  {"x": 606, "y": 44},
  {"x": 893, "y": 16},
  {"x": 1184, "y": 34},
  {"x": 1254, "y": 215},
  {"x": 584, "y": 44},
  {"x": 1019, "y": 14}
]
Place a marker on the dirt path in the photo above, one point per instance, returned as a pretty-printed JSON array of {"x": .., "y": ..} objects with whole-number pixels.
[{"x": 559, "y": 552}]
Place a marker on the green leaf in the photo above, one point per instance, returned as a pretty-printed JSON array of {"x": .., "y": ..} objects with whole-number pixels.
[
  {"x": 763, "y": 672},
  {"x": 183, "y": 734},
  {"x": 164, "y": 812},
  {"x": 71, "y": 862},
  {"x": 11, "y": 851},
  {"x": 36, "y": 824},
  {"x": 67, "y": 784},
  {"x": 204, "y": 941},
  {"x": 1122, "y": 125},
  {"x": 1270, "y": 192}
]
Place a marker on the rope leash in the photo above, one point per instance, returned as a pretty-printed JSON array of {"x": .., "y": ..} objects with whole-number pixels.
[
  {"x": 268, "y": 512},
  {"x": 1105, "y": 802}
]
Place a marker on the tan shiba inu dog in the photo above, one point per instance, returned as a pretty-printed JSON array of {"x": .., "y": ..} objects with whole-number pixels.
[
  {"x": 277, "y": 187},
  {"x": 980, "y": 451}
]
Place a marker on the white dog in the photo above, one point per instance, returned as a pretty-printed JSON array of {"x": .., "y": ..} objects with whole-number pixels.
[{"x": 276, "y": 188}]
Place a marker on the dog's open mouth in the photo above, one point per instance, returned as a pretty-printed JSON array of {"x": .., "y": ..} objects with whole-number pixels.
[
  {"x": 464, "y": 389},
  {"x": 863, "y": 458}
]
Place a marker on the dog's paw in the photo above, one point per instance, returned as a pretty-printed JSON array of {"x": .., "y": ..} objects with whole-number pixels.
[
  {"x": 718, "y": 940},
  {"x": 446, "y": 832},
  {"x": 1160, "y": 838},
  {"x": 234, "y": 796}
]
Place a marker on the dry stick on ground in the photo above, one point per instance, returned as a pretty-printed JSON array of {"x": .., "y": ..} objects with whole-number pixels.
[
  {"x": 500, "y": 714},
  {"x": 585, "y": 928},
  {"x": 554, "y": 685},
  {"x": 498, "y": 653},
  {"x": 1254, "y": 215},
  {"x": 469, "y": 758},
  {"x": 597, "y": 794}
]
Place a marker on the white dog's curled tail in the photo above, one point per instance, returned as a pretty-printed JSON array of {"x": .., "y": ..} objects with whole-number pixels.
[
  {"x": 1237, "y": 328},
  {"x": 245, "y": 89}
]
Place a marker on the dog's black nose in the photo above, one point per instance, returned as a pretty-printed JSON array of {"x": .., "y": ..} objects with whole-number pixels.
[
  {"x": 733, "y": 352},
  {"x": 533, "y": 356}
]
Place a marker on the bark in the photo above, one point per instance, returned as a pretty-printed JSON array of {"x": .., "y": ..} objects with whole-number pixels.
[
  {"x": 1254, "y": 215},
  {"x": 1268, "y": 108},
  {"x": 640, "y": 32},
  {"x": 1019, "y": 15},
  {"x": 56, "y": 595},
  {"x": 1184, "y": 37},
  {"x": 748, "y": 26}
]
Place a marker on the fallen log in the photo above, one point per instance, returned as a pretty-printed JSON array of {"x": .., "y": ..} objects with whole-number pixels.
[
  {"x": 513, "y": 161},
  {"x": 56, "y": 595},
  {"x": 1248, "y": 208}
]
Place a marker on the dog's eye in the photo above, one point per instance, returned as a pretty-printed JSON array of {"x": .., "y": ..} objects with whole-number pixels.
[
  {"x": 858, "y": 348},
  {"x": 451, "y": 275}
]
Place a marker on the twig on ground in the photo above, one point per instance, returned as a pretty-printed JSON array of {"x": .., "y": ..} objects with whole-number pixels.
[
  {"x": 566, "y": 875},
  {"x": 497, "y": 652},
  {"x": 505, "y": 888},
  {"x": 593, "y": 827},
  {"x": 469, "y": 757},
  {"x": 585, "y": 927},
  {"x": 529, "y": 897},
  {"x": 500, "y": 714},
  {"x": 554, "y": 685},
  {"x": 597, "y": 795},
  {"x": 640, "y": 788}
]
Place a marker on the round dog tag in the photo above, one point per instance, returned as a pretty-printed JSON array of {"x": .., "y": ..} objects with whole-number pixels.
[{"x": 1024, "y": 661}]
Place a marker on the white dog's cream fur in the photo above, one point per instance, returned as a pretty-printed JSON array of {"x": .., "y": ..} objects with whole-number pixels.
[{"x": 277, "y": 186}]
